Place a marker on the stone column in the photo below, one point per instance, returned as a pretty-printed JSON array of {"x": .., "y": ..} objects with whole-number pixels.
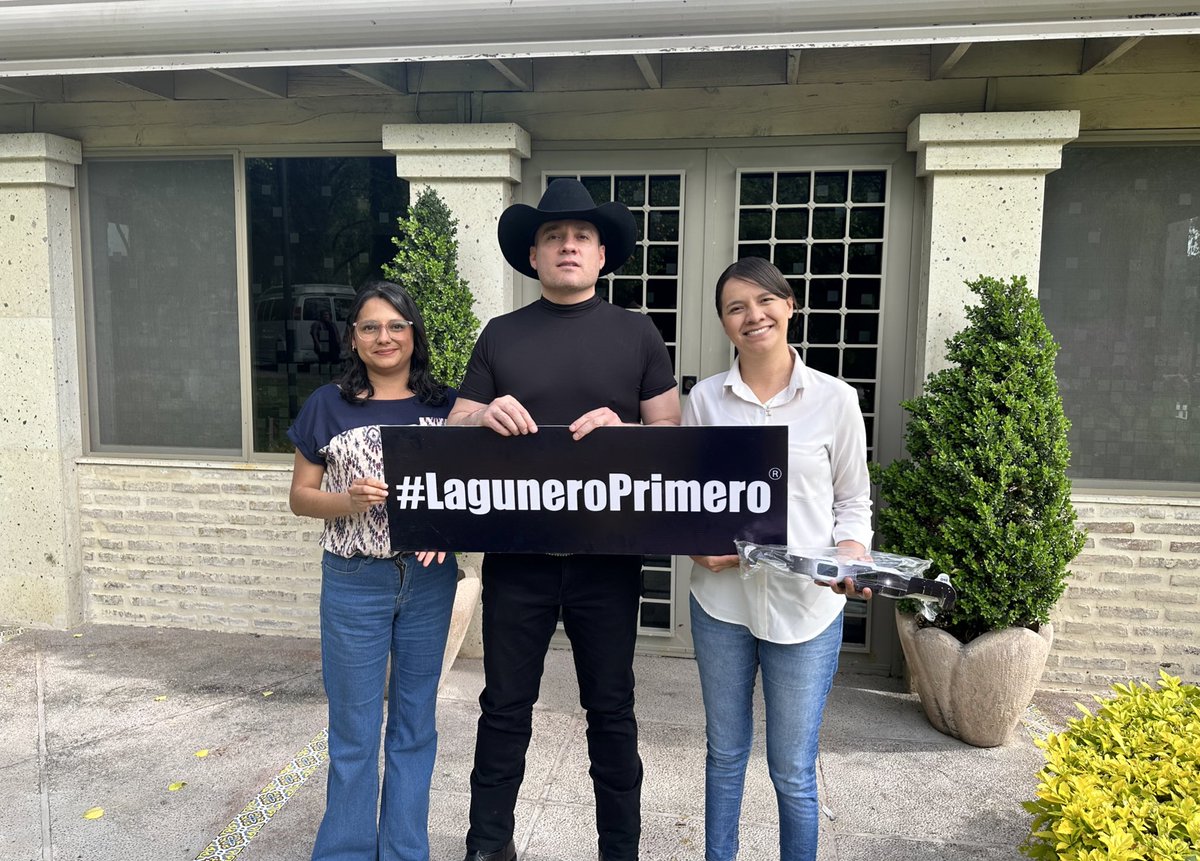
[
  {"x": 473, "y": 167},
  {"x": 985, "y": 179},
  {"x": 40, "y": 430}
]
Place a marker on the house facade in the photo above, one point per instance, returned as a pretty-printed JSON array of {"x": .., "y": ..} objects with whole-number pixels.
[{"x": 183, "y": 193}]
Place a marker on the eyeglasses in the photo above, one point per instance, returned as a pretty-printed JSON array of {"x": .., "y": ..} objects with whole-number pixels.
[{"x": 373, "y": 329}]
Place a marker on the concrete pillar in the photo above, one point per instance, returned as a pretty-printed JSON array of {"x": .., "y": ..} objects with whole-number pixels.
[
  {"x": 984, "y": 189},
  {"x": 473, "y": 167},
  {"x": 40, "y": 431}
]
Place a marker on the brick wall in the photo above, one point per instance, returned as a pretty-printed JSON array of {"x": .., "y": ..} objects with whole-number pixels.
[
  {"x": 215, "y": 547},
  {"x": 210, "y": 547},
  {"x": 1133, "y": 602}
]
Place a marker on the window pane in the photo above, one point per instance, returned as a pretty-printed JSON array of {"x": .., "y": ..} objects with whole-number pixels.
[
  {"x": 793, "y": 188},
  {"x": 868, "y": 186},
  {"x": 661, "y": 293},
  {"x": 791, "y": 224},
  {"x": 164, "y": 305},
  {"x": 791, "y": 259},
  {"x": 631, "y": 190},
  {"x": 656, "y": 615},
  {"x": 829, "y": 223},
  {"x": 627, "y": 293},
  {"x": 824, "y": 328},
  {"x": 664, "y": 190},
  {"x": 755, "y": 224},
  {"x": 600, "y": 188},
  {"x": 757, "y": 188},
  {"x": 664, "y": 226},
  {"x": 830, "y": 187},
  {"x": 319, "y": 228},
  {"x": 866, "y": 223},
  {"x": 1119, "y": 282},
  {"x": 825, "y": 293}
]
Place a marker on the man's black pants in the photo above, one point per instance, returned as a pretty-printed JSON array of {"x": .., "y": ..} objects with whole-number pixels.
[{"x": 522, "y": 596}]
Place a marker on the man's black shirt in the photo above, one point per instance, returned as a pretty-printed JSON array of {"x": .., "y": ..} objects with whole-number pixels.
[{"x": 561, "y": 361}]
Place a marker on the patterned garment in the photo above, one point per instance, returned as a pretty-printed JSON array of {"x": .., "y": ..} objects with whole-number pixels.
[{"x": 358, "y": 453}]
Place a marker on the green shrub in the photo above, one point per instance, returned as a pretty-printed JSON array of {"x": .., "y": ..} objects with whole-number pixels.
[
  {"x": 1123, "y": 784},
  {"x": 985, "y": 494},
  {"x": 426, "y": 265}
]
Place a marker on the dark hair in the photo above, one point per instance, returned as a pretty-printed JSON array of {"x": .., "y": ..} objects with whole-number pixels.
[
  {"x": 756, "y": 271},
  {"x": 421, "y": 383}
]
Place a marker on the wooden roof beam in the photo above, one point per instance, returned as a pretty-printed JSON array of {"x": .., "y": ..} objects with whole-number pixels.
[
  {"x": 1098, "y": 53},
  {"x": 508, "y": 68},
  {"x": 793, "y": 65},
  {"x": 161, "y": 85},
  {"x": 943, "y": 58},
  {"x": 266, "y": 82},
  {"x": 651, "y": 68},
  {"x": 391, "y": 77},
  {"x": 35, "y": 89}
]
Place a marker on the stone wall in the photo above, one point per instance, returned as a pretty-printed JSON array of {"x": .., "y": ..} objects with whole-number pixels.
[
  {"x": 211, "y": 547},
  {"x": 1132, "y": 605}
]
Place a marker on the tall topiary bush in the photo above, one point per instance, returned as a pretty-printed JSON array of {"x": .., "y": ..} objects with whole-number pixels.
[
  {"x": 426, "y": 265},
  {"x": 984, "y": 493}
]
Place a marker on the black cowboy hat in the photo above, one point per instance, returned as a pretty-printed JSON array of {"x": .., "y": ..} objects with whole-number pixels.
[{"x": 566, "y": 200}]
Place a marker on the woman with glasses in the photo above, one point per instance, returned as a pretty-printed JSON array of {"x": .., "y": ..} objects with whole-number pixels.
[
  {"x": 788, "y": 627},
  {"x": 374, "y": 604}
]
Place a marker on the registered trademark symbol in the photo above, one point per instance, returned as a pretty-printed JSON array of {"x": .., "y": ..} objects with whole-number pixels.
[{"x": 776, "y": 473}]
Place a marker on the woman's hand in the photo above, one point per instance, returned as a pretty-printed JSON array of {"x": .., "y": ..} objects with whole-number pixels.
[
  {"x": 849, "y": 551},
  {"x": 366, "y": 493},
  {"x": 716, "y": 563},
  {"x": 425, "y": 557},
  {"x": 846, "y": 587}
]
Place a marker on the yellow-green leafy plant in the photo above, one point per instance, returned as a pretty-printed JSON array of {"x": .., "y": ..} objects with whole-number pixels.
[{"x": 1123, "y": 784}]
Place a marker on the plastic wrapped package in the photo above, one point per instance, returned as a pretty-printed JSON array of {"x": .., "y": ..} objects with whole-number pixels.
[{"x": 887, "y": 575}]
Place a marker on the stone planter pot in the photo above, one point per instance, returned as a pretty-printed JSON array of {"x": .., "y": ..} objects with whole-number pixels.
[
  {"x": 979, "y": 691},
  {"x": 466, "y": 598}
]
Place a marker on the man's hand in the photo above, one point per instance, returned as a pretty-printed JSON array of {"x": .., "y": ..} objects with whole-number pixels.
[
  {"x": 597, "y": 418},
  {"x": 849, "y": 551},
  {"x": 505, "y": 415}
]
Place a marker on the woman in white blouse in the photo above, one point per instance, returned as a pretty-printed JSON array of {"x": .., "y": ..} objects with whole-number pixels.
[{"x": 789, "y": 627}]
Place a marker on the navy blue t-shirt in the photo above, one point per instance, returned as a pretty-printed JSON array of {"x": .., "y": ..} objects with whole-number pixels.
[
  {"x": 325, "y": 415},
  {"x": 345, "y": 439}
]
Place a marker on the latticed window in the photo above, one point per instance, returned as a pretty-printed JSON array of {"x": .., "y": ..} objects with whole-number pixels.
[{"x": 825, "y": 230}]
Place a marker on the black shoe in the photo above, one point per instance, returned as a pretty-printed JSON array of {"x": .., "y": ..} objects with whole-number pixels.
[{"x": 507, "y": 853}]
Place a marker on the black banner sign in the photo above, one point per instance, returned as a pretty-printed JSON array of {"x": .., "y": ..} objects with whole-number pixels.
[{"x": 618, "y": 490}]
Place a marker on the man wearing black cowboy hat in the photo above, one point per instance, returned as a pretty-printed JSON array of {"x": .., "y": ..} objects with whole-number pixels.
[{"x": 572, "y": 359}]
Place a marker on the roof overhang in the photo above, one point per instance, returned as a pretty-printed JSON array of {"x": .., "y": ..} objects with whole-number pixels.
[{"x": 103, "y": 36}]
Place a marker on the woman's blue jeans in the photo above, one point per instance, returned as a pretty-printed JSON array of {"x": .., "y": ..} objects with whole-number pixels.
[
  {"x": 796, "y": 680},
  {"x": 370, "y": 609}
]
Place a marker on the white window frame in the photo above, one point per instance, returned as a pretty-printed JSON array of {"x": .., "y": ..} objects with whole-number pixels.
[{"x": 86, "y": 318}]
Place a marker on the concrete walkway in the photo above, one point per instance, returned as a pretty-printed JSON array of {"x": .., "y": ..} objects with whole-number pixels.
[{"x": 113, "y": 717}]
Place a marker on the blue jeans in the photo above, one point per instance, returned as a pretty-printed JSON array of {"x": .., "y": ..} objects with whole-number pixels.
[
  {"x": 796, "y": 680},
  {"x": 370, "y": 609}
]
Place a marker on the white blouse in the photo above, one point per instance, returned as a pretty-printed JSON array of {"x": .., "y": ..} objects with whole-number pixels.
[{"x": 829, "y": 496}]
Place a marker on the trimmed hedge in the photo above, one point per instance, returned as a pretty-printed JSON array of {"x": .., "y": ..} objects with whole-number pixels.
[
  {"x": 1123, "y": 784},
  {"x": 426, "y": 265},
  {"x": 984, "y": 492}
]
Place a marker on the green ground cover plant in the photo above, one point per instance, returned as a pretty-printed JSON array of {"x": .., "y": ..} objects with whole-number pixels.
[{"x": 1122, "y": 784}]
